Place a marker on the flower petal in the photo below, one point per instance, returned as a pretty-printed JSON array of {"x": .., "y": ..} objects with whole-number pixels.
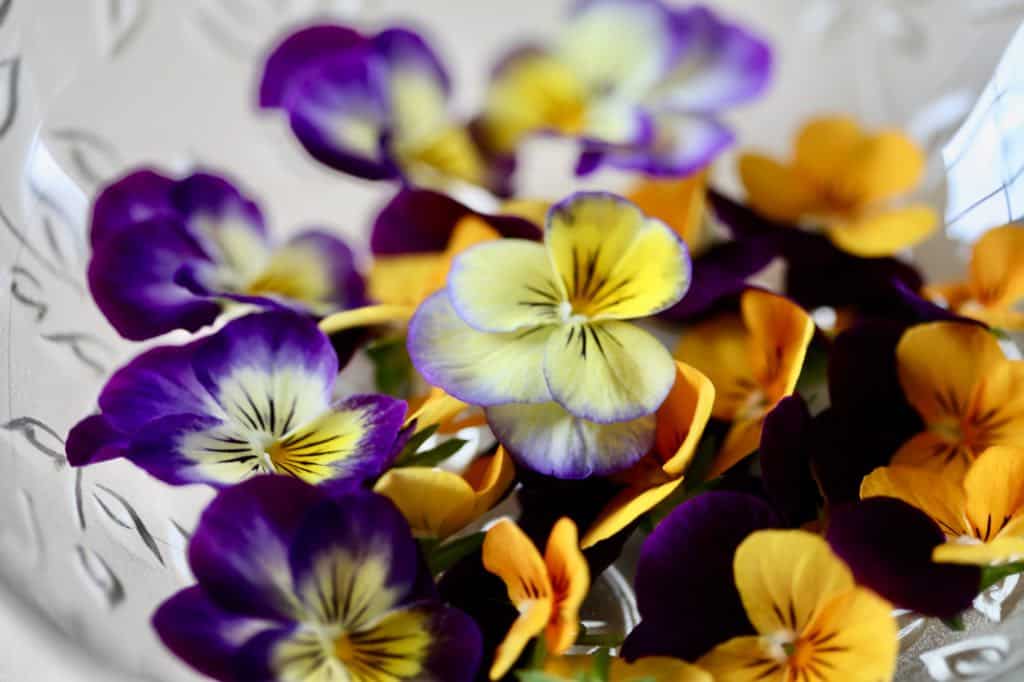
[
  {"x": 505, "y": 286},
  {"x": 650, "y": 669},
  {"x": 678, "y": 202},
  {"x": 612, "y": 260},
  {"x": 997, "y": 266},
  {"x": 741, "y": 659},
  {"x": 775, "y": 190},
  {"x": 625, "y": 508},
  {"x": 741, "y": 440},
  {"x": 881, "y": 166},
  {"x": 824, "y": 147},
  {"x": 935, "y": 493},
  {"x": 436, "y": 503},
  {"x": 886, "y": 232},
  {"x": 476, "y": 367},
  {"x": 567, "y": 568},
  {"x": 136, "y": 197},
  {"x": 720, "y": 349},
  {"x": 546, "y": 438},
  {"x": 785, "y": 459},
  {"x": 681, "y": 419},
  {"x": 994, "y": 488},
  {"x": 865, "y": 640},
  {"x": 94, "y": 439},
  {"x": 418, "y": 87},
  {"x": 298, "y": 52},
  {"x": 607, "y": 371}
]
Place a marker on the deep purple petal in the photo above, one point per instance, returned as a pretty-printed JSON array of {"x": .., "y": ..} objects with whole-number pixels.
[
  {"x": 382, "y": 420},
  {"x": 160, "y": 450},
  {"x": 298, "y": 52},
  {"x": 134, "y": 198},
  {"x": 404, "y": 49},
  {"x": 131, "y": 277},
  {"x": 684, "y": 581},
  {"x": 888, "y": 545},
  {"x": 421, "y": 221},
  {"x": 365, "y": 527},
  {"x": 785, "y": 461},
  {"x": 202, "y": 634},
  {"x": 456, "y": 645},
  {"x": 239, "y": 552},
  {"x": 254, "y": 661},
  {"x": 94, "y": 439},
  {"x": 208, "y": 202},
  {"x": 742, "y": 221},
  {"x": 348, "y": 290},
  {"x": 267, "y": 343}
]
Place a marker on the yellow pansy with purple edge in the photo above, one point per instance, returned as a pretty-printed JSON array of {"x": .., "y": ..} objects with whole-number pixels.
[
  {"x": 537, "y": 335},
  {"x": 293, "y": 584}
]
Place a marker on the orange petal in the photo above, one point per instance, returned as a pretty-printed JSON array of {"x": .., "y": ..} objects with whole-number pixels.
[
  {"x": 997, "y": 267},
  {"x": 936, "y": 493},
  {"x": 743, "y": 438},
  {"x": 859, "y": 637},
  {"x": 533, "y": 616},
  {"x": 780, "y": 332},
  {"x": 569, "y": 571},
  {"x": 625, "y": 508},
  {"x": 719, "y": 348},
  {"x": 825, "y": 145},
  {"x": 881, "y": 166},
  {"x": 884, "y": 233},
  {"x": 931, "y": 451},
  {"x": 469, "y": 231},
  {"x": 489, "y": 477},
  {"x": 775, "y": 190},
  {"x": 997, "y": 551},
  {"x": 399, "y": 280},
  {"x": 436, "y": 503},
  {"x": 678, "y": 202},
  {"x": 743, "y": 659},
  {"x": 649, "y": 669},
  {"x": 995, "y": 490},
  {"x": 437, "y": 408},
  {"x": 682, "y": 417}
]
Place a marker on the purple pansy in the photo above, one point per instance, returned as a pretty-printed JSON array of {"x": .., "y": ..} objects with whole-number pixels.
[
  {"x": 254, "y": 397},
  {"x": 293, "y": 584},
  {"x": 170, "y": 254},
  {"x": 640, "y": 83},
  {"x": 372, "y": 106}
]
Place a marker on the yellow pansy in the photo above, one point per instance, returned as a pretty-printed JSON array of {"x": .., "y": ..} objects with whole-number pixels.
[{"x": 845, "y": 180}]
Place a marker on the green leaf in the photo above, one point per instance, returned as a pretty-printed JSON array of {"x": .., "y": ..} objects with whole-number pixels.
[
  {"x": 602, "y": 665},
  {"x": 392, "y": 368},
  {"x": 441, "y": 557},
  {"x": 536, "y": 676},
  {"x": 990, "y": 575},
  {"x": 956, "y": 623},
  {"x": 433, "y": 456},
  {"x": 414, "y": 443}
]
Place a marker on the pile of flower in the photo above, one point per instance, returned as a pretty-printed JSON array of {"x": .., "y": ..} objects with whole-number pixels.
[{"x": 793, "y": 482}]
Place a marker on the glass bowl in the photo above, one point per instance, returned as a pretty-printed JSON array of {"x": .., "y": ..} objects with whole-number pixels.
[{"x": 92, "y": 88}]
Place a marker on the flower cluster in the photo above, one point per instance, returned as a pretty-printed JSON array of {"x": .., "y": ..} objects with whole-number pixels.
[{"x": 801, "y": 459}]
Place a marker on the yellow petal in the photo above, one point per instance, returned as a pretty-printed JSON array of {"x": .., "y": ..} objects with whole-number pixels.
[
  {"x": 400, "y": 280},
  {"x": 880, "y": 167},
  {"x": 320, "y": 449},
  {"x": 504, "y": 286},
  {"x": 1000, "y": 550},
  {"x": 570, "y": 577},
  {"x": 682, "y": 417},
  {"x": 937, "y": 494},
  {"x": 625, "y": 508},
  {"x": 534, "y": 210},
  {"x": 436, "y": 503},
  {"x": 396, "y": 647},
  {"x": 743, "y": 438},
  {"x": 613, "y": 261},
  {"x": 786, "y": 578},
  {"x": 884, "y": 233},
  {"x": 858, "y": 636},
  {"x": 649, "y": 669},
  {"x": 489, "y": 476},
  {"x": 469, "y": 231},
  {"x": 997, "y": 267},
  {"x": 997, "y": 416},
  {"x": 607, "y": 371},
  {"x": 678, "y": 202},
  {"x": 743, "y": 659},
  {"x": 720, "y": 349},
  {"x": 825, "y": 145},
  {"x": 952, "y": 294},
  {"x": 533, "y": 617},
  {"x": 367, "y": 316},
  {"x": 775, "y": 190},
  {"x": 449, "y": 153},
  {"x": 941, "y": 365},
  {"x": 932, "y": 451},
  {"x": 995, "y": 490},
  {"x": 438, "y": 408},
  {"x": 780, "y": 332}
]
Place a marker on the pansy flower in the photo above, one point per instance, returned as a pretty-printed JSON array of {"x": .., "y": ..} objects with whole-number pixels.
[
  {"x": 968, "y": 394},
  {"x": 255, "y": 397},
  {"x": 995, "y": 280},
  {"x": 846, "y": 181},
  {"x": 547, "y": 590},
  {"x": 537, "y": 334},
  {"x": 982, "y": 514},
  {"x": 754, "y": 359},
  {"x": 812, "y": 620},
  {"x": 439, "y": 503},
  {"x": 650, "y": 669},
  {"x": 294, "y": 585},
  {"x": 172, "y": 254},
  {"x": 372, "y": 106},
  {"x": 638, "y": 82}
]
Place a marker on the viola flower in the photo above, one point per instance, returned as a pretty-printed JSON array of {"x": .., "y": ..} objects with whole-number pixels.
[
  {"x": 965, "y": 390},
  {"x": 812, "y": 619},
  {"x": 438, "y": 503},
  {"x": 537, "y": 335},
  {"x": 546, "y": 590},
  {"x": 995, "y": 281},
  {"x": 638, "y": 82},
  {"x": 372, "y": 106},
  {"x": 255, "y": 397},
  {"x": 651, "y": 669},
  {"x": 679, "y": 425},
  {"x": 846, "y": 181},
  {"x": 293, "y": 584},
  {"x": 753, "y": 359},
  {"x": 982, "y": 514},
  {"x": 172, "y": 254}
]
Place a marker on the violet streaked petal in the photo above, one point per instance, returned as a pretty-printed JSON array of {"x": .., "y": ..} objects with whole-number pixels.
[
  {"x": 94, "y": 439},
  {"x": 381, "y": 419},
  {"x": 888, "y": 545},
  {"x": 180, "y": 449},
  {"x": 684, "y": 581},
  {"x": 131, "y": 277},
  {"x": 785, "y": 461},
  {"x": 203, "y": 634},
  {"x": 346, "y": 288},
  {"x": 134, "y": 198},
  {"x": 239, "y": 552},
  {"x": 298, "y": 52},
  {"x": 421, "y": 221},
  {"x": 210, "y": 198},
  {"x": 404, "y": 49},
  {"x": 254, "y": 662}
]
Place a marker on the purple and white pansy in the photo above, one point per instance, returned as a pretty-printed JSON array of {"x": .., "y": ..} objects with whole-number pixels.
[
  {"x": 255, "y": 397},
  {"x": 296, "y": 585},
  {"x": 171, "y": 254},
  {"x": 640, "y": 83}
]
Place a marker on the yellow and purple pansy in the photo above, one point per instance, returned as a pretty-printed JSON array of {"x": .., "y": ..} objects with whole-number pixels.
[
  {"x": 255, "y": 397},
  {"x": 640, "y": 83},
  {"x": 293, "y": 584},
  {"x": 172, "y": 254},
  {"x": 537, "y": 334},
  {"x": 372, "y": 106}
]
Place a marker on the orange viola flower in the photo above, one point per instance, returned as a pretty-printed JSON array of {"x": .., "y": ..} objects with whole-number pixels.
[
  {"x": 547, "y": 590},
  {"x": 649, "y": 669},
  {"x": 754, "y": 360},
  {"x": 678, "y": 202},
  {"x": 845, "y": 180}
]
